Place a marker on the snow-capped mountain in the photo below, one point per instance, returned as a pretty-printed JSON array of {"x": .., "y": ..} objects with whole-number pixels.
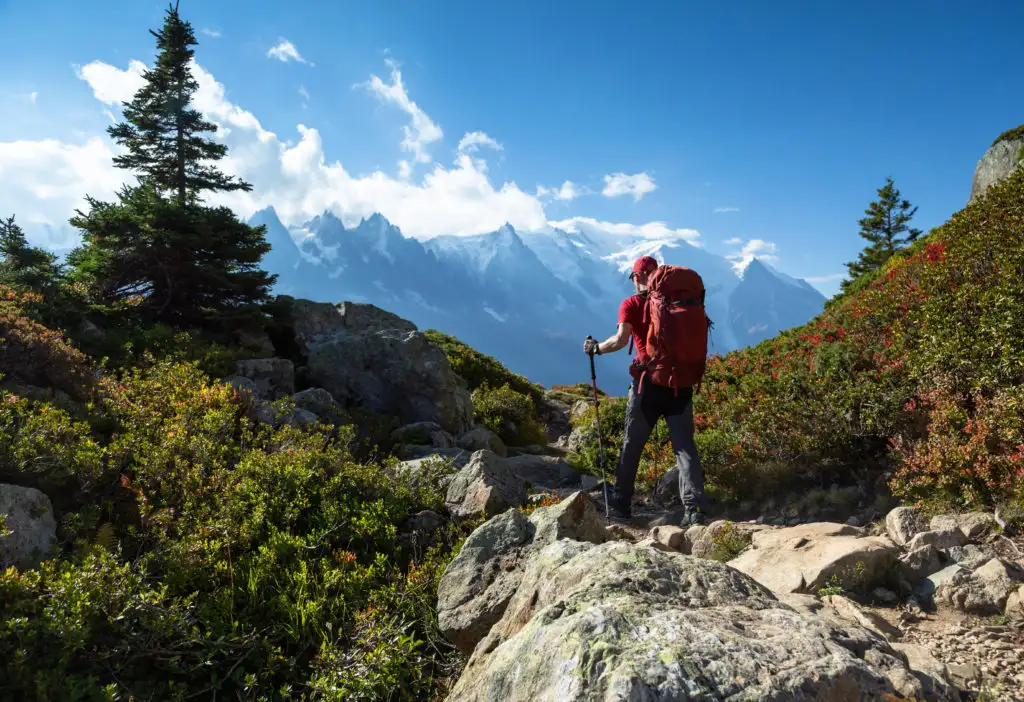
[{"x": 526, "y": 298}]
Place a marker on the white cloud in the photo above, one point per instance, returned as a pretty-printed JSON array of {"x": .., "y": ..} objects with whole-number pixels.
[
  {"x": 286, "y": 51},
  {"x": 303, "y": 92},
  {"x": 32, "y": 97},
  {"x": 213, "y": 33},
  {"x": 474, "y": 140},
  {"x": 825, "y": 278},
  {"x": 567, "y": 191},
  {"x": 651, "y": 230},
  {"x": 618, "y": 184},
  {"x": 45, "y": 181},
  {"x": 722, "y": 210},
  {"x": 735, "y": 241},
  {"x": 422, "y": 131},
  {"x": 755, "y": 248}
]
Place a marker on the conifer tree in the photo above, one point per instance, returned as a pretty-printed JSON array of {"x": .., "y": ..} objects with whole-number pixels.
[
  {"x": 181, "y": 260},
  {"x": 24, "y": 266},
  {"x": 885, "y": 227}
]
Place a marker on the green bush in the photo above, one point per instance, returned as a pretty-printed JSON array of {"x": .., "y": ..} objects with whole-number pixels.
[
  {"x": 479, "y": 369},
  {"x": 508, "y": 413},
  {"x": 253, "y": 562}
]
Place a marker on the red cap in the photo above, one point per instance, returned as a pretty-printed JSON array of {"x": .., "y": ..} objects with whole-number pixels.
[{"x": 644, "y": 263}]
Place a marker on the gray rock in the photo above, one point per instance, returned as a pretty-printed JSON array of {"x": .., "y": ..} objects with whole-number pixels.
[
  {"x": 425, "y": 522},
  {"x": 885, "y": 596},
  {"x": 996, "y": 164},
  {"x": 671, "y": 536},
  {"x": 255, "y": 340},
  {"x": 481, "y": 579},
  {"x": 486, "y": 486},
  {"x": 621, "y": 621},
  {"x": 903, "y": 523},
  {"x": 423, "y": 433},
  {"x": 272, "y": 378},
  {"x": 1015, "y": 604},
  {"x": 29, "y": 525},
  {"x": 554, "y": 415},
  {"x": 941, "y": 539},
  {"x": 970, "y": 556},
  {"x": 711, "y": 540},
  {"x": 368, "y": 357},
  {"x": 927, "y": 587},
  {"x": 921, "y": 562},
  {"x": 974, "y": 525},
  {"x": 319, "y": 402},
  {"x": 411, "y": 453},
  {"x": 480, "y": 437},
  {"x": 935, "y": 678},
  {"x": 983, "y": 591},
  {"x": 543, "y": 471}
]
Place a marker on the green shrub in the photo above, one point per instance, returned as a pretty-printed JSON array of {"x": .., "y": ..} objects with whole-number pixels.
[
  {"x": 479, "y": 369},
  {"x": 508, "y": 413},
  {"x": 253, "y": 562}
]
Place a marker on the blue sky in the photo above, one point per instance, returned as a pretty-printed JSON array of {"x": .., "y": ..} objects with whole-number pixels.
[{"x": 788, "y": 114}]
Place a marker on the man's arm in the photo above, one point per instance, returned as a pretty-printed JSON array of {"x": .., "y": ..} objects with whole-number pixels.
[{"x": 616, "y": 341}]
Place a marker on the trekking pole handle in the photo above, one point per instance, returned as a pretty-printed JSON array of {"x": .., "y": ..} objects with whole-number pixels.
[{"x": 593, "y": 373}]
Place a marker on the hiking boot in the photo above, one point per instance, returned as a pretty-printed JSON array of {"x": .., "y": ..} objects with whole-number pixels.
[
  {"x": 691, "y": 516},
  {"x": 616, "y": 511}
]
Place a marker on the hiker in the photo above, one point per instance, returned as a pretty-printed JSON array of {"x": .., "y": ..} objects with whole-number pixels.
[{"x": 665, "y": 387}]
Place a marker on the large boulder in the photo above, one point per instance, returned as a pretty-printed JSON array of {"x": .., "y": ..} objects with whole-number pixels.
[
  {"x": 367, "y": 357},
  {"x": 997, "y": 163},
  {"x": 544, "y": 471},
  {"x": 903, "y": 523},
  {"x": 621, "y": 621},
  {"x": 481, "y": 579},
  {"x": 486, "y": 486},
  {"x": 28, "y": 526},
  {"x": 973, "y": 525},
  {"x": 984, "y": 591},
  {"x": 480, "y": 437},
  {"x": 804, "y": 558}
]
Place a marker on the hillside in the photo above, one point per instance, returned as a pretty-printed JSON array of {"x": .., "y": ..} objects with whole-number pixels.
[{"x": 918, "y": 373}]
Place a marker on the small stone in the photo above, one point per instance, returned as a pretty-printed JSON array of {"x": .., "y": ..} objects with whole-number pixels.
[{"x": 884, "y": 595}]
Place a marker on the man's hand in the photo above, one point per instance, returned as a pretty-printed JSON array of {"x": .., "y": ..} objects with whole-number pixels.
[{"x": 590, "y": 346}]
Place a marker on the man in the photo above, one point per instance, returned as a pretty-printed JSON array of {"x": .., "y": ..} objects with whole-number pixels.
[{"x": 646, "y": 404}]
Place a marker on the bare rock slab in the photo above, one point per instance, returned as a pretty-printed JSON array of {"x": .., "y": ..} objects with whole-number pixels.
[{"x": 803, "y": 558}]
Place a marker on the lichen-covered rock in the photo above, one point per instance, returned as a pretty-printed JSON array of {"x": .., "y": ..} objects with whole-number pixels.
[
  {"x": 486, "y": 486},
  {"x": 621, "y": 621},
  {"x": 368, "y": 357},
  {"x": 903, "y": 523},
  {"x": 481, "y": 579},
  {"x": 983, "y": 591},
  {"x": 722, "y": 538},
  {"x": 803, "y": 558},
  {"x": 321, "y": 403},
  {"x": 480, "y": 437},
  {"x": 28, "y": 527}
]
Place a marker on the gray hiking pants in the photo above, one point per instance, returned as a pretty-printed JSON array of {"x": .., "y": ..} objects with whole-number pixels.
[{"x": 642, "y": 413}]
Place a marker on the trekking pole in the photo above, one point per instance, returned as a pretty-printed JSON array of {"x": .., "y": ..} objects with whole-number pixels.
[{"x": 597, "y": 421}]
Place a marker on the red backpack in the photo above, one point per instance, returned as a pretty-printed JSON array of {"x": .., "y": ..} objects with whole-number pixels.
[{"x": 677, "y": 337}]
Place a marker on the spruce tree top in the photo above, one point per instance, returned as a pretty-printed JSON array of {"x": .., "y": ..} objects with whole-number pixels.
[{"x": 163, "y": 133}]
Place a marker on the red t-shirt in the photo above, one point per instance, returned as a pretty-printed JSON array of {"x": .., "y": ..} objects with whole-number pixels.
[{"x": 632, "y": 310}]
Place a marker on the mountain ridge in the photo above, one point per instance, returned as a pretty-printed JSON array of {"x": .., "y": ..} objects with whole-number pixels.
[{"x": 526, "y": 297}]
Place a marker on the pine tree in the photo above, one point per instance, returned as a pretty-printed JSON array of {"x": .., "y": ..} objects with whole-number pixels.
[
  {"x": 180, "y": 260},
  {"x": 885, "y": 227},
  {"x": 24, "y": 266},
  {"x": 163, "y": 133}
]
